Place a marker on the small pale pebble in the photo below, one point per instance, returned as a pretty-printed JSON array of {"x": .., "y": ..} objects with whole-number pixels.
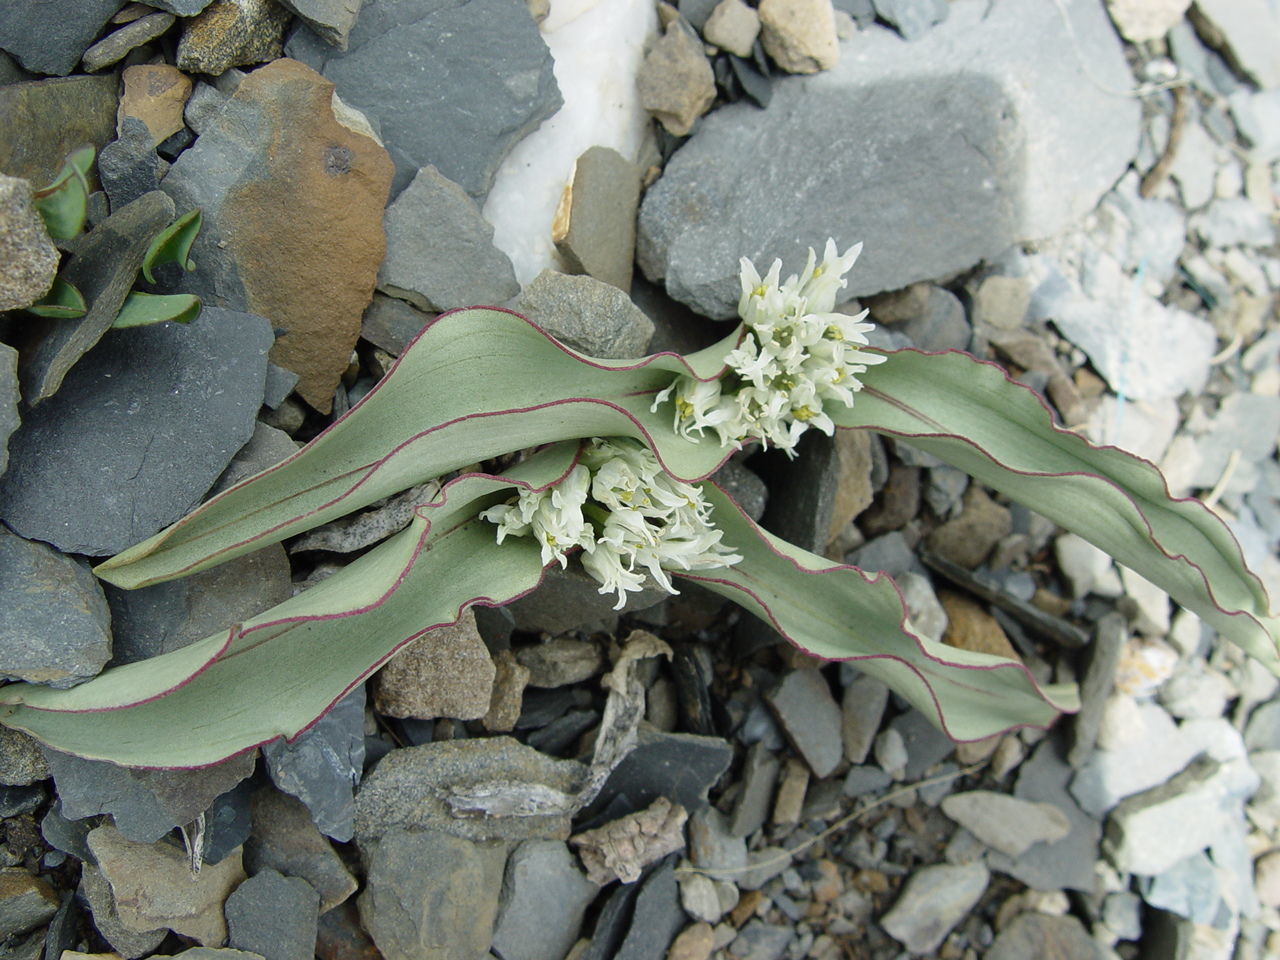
[
  {"x": 699, "y": 898},
  {"x": 829, "y": 885},
  {"x": 891, "y": 753},
  {"x": 725, "y": 933},
  {"x": 1009, "y": 754},
  {"x": 1145, "y": 664},
  {"x": 695, "y": 942},
  {"x": 1266, "y": 873},
  {"x": 791, "y": 790}
]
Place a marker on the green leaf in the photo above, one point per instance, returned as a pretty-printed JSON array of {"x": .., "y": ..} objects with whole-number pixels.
[
  {"x": 173, "y": 244},
  {"x": 971, "y": 415},
  {"x": 276, "y": 674},
  {"x": 476, "y": 384},
  {"x": 140, "y": 309},
  {"x": 838, "y": 612},
  {"x": 62, "y": 302},
  {"x": 64, "y": 203}
]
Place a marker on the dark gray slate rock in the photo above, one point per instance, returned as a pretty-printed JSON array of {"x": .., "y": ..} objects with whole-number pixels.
[
  {"x": 1102, "y": 658},
  {"x": 611, "y": 924},
  {"x": 657, "y": 917},
  {"x": 330, "y": 19},
  {"x": 430, "y": 894},
  {"x": 969, "y": 120},
  {"x": 440, "y": 252},
  {"x": 9, "y": 396},
  {"x": 912, "y": 18},
  {"x": 925, "y": 743},
  {"x": 227, "y": 823},
  {"x": 183, "y": 8},
  {"x": 544, "y": 896},
  {"x": 390, "y": 323},
  {"x": 759, "y": 940},
  {"x": 810, "y": 481},
  {"x": 280, "y": 383},
  {"x": 571, "y": 600},
  {"x": 274, "y": 916},
  {"x": 323, "y": 765},
  {"x": 286, "y": 839},
  {"x": 116, "y": 45},
  {"x": 588, "y": 315},
  {"x": 811, "y": 718},
  {"x": 50, "y": 36},
  {"x": 600, "y": 236},
  {"x": 73, "y": 112},
  {"x": 679, "y": 766},
  {"x": 436, "y": 107},
  {"x": 146, "y": 804},
  {"x": 128, "y": 166},
  {"x": 92, "y": 469},
  {"x": 69, "y": 836},
  {"x": 56, "y": 627}
]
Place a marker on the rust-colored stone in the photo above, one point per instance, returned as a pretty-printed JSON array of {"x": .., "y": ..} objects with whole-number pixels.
[
  {"x": 970, "y": 627},
  {"x": 155, "y": 93}
]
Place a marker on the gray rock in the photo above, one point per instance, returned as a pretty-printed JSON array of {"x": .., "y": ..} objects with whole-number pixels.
[
  {"x": 182, "y": 8},
  {"x": 323, "y": 765},
  {"x": 69, "y": 836},
  {"x": 50, "y": 37},
  {"x": 128, "y": 166},
  {"x": 30, "y": 258},
  {"x": 697, "y": 12},
  {"x": 57, "y": 627},
  {"x": 439, "y": 109},
  {"x": 1099, "y": 680},
  {"x": 925, "y": 743},
  {"x": 411, "y": 788},
  {"x": 1034, "y": 935},
  {"x": 758, "y": 940},
  {"x": 713, "y": 846},
  {"x": 445, "y": 673},
  {"x": 860, "y": 781},
  {"x": 1257, "y": 117},
  {"x": 91, "y": 469},
  {"x": 571, "y": 600},
  {"x": 679, "y": 766},
  {"x": 25, "y": 902},
  {"x": 759, "y": 774},
  {"x": 889, "y": 553},
  {"x": 811, "y": 718},
  {"x": 811, "y": 481},
  {"x": 73, "y": 112},
  {"x": 657, "y": 916},
  {"x": 1263, "y": 729},
  {"x": 942, "y": 325},
  {"x": 440, "y": 252},
  {"x": 1240, "y": 30},
  {"x": 1004, "y": 823},
  {"x": 861, "y": 710},
  {"x": 9, "y": 397},
  {"x": 991, "y": 77},
  {"x": 21, "y": 761},
  {"x": 116, "y": 45},
  {"x": 390, "y": 323},
  {"x": 126, "y": 941},
  {"x": 934, "y": 900},
  {"x": 273, "y": 916},
  {"x": 267, "y": 447},
  {"x": 227, "y": 823},
  {"x": 330, "y": 19},
  {"x": 560, "y": 661},
  {"x": 205, "y": 103},
  {"x": 280, "y": 383},
  {"x": 675, "y": 82},
  {"x": 611, "y": 924},
  {"x": 145, "y": 804},
  {"x": 1189, "y": 888},
  {"x": 285, "y": 838},
  {"x": 430, "y": 895},
  {"x": 912, "y": 18},
  {"x": 599, "y": 235},
  {"x": 1232, "y": 222},
  {"x": 544, "y": 897},
  {"x": 587, "y": 315}
]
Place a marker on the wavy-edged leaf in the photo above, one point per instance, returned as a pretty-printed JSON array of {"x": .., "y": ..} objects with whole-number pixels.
[
  {"x": 62, "y": 302},
  {"x": 838, "y": 612},
  {"x": 279, "y": 672},
  {"x": 971, "y": 415},
  {"x": 140, "y": 309},
  {"x": 173, "y": 244},
  {"x": 64, "y": 203},
  {"x": 475, "y": 384}
]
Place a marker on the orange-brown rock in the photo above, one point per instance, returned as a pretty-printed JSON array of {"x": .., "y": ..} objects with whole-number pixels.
[
  {"x": 155, "y": 93},
  {"x": 970, "y": 627}
]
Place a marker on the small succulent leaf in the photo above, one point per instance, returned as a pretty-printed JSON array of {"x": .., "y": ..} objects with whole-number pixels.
[
  {"x": 62, "y": 302},
  {"x": 278, "y": 673},
  {"x": 173, "y": 244},
  {"x": 140, "y": 309},
  {"x": 64, "y": 203},
  {"x": 971, "y": 415},
  {"x": 838, "y": 612},
  {"x": 475, "y": 384}
]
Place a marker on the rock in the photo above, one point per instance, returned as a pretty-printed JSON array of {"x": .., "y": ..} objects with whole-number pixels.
[
  {"x": 749, "y": 491},
  {"x": 970, "y": 537},
  {"x": 50, "y": 37},
  {"x": 933, "y": 901},
  {"x": 227, "y": 823},
  {"x": 759, "y": 774},
  {"x": 679, "y": 766},
  {"x": 694, "y": 942},
  {"x": 1045, "y": 167},
  {"x": 231, "y": 33},
  {"x": 656, "y": 917},
  {"x": 273, "y": 916},
  {"x": 440, "y": 252},
  {"x": 156, "y": 94},
  {"x": 26, "y": 902},
  {"x": 1231, "y": 222},
  {"x": 509, "y": 682},
  {"x": 330, "y": 19},
  {"x": 861, "y": 710},
  {"x": 970, "y": 627},
  {"x": 854, "y": 493},
  {"x": 445, "y": 673},
  {"x": 411, "y": 788},
  {"x": 1267, "y": 879},
  {"x": 1006, "y": 823},
  {"x": 73, "y": 112},
  {"x": 57, "y": 628},
  {"x": 759, "y": 940},
  {"x": 1239, "y": 30},
  {"x": 560, "y": 661},
  {"x": 925, "y": 744},
  {"x": 30, "y": 258},
  {"x": 90, "y": 469},
  {"x": 1002, "y": 302},
  {"x": 804, "y": 515},
  {"x": 675, "y": 81},
  {"x": 1036, "y": 935},
  {"x": 322, "y": 765},
  {"x": 699, "y": 898},
  {"x": 144, "y": 804},
  {"x": 286, "y": 839},
  {"x": 733, "y": 26},
  {"x": 808, "y": 713},
  {"x": 181, "y": 8},
  {"x": 274, "y": 170},
  {"x": 443, "y": 112},
  {"x": 1189, "y": 888},
  {"x": 1197, "y": 691},
  {"x": 116, "y": 45},
  {"x": 9, "y": 398},
  {"x": 942, "y": 325},
  {"x": 21, "y": 761},
  {"x": 430, "y": 895},
  {"x": 912, "y": 18},
  {"x": 153, "y": 886},
  {"x": 95, "y": 890},
  {"x": 800, "y": 35},
  {"x": 928, "y": 617},
  {"x": 128, "y": 166},
  {"x": 389, "y": 323},
  {"x": 1141, "y": 20},
  {"x": 544, "y": 897},
  {"x": 595, "y": 227},
  {"x": 571, "y": 600},
  {"x": 587, "y": 315},
  {"x": 788, "y": 805},
  {"x": 1099, "y": 680}
]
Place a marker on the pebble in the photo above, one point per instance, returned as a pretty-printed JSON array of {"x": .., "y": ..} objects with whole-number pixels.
[
  {"x": 156, "y": 94},
  {"x": 694, "y": 942},
  {"x": 861, "y": 711},
  {"x": 116, "y": 45},
  {"x": 1032, "y": 935},
  {"x": 31, "y": 260},
  {"x": 544, "y": 897},
  {"x": 733, "y": 26},
  {"x": 970, "y": 537},
  {"x": 1241, "y": 28},
  {"x": 273, "y": 916},
  {"x": 1267, "y": 879},
  {"x": 891, "y": 753},
  {"x": 759, "y": 774},
  {"x": 800, "y": 35},
  {"x": 759, "y": 940},
  {"x": 675, "y": 81},
  {"x": 811, "y": 718},
  {"x": 933, "y": 901},
  {"x": 911, "y": 18},
  {"x": 231, "y": 33},
  {"x": 285, "y": 838},
  {"x": 700, "y": 899},
  {"x": 588, "y": 315},
  {"x": 789, "y": 802},
  {"x": 445, "y": 673},
  {"x": 1005, "y": 823}
]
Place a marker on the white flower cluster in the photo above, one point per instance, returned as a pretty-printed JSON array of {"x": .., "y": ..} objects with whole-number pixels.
[
  {"x": 628, "y": 516},
  {"x": 796, "y": 355}
]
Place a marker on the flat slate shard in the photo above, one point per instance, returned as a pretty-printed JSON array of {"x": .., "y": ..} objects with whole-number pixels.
[
  {"x": 437, "y": 107},
  {"x": 45, "y": 120},
  {"x": 50, "y": 36},
  {"x": 938, "y": 154},
  {"x": 92, "y": 469}
]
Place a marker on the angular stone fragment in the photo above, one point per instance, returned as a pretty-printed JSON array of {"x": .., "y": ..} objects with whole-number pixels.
[
  {"x": 445, "y": 673},
  {"x": 1243, "y": 29},
  {"x": 330, "y": 19},
  {"x": 128, "y": 166},
  {"x": 292, "y": 218},
  {"x": 49, "y": 37},
  {"x": 116, "y": 45},
  {"x": 25, "y": 901},
  {"x": 156, "y": 94},
  {"x": 934, "y": 900},
  {"x": 45, "y": 120},
  {"x": 595, "y": 231},
  {"x": 29, "y": 256},
  {"x": 587, "y": 315},
  {"x": 800, "y": 35},
  {"x": 733, "y": 26},
  {"x": 675, "y": 81},
  {"x": 1006, "y": 823},
  {"x": 810, "y": 716},
  {"x": 9, "y": 397},
  {"x": 129, "y": 943},
  {"x": 284, "y": 838},
  {"x": 273, "y": 916},
  {"x": 231, "y": 33},
  {"x": 544, "y": 897}
]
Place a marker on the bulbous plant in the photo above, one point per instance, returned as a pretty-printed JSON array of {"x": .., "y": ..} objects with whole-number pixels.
[{"x": 620, "y": 477}]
